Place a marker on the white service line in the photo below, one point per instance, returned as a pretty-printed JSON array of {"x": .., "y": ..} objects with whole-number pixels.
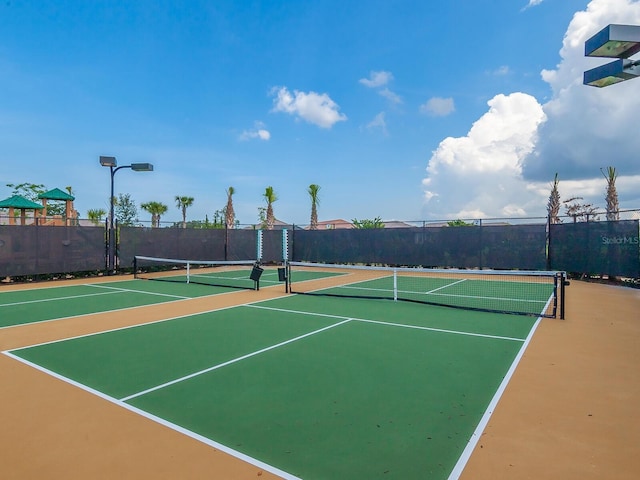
[
  {"x": 224, "y": 364},
  {"x": 391, "y": 324},
  {"x": 484, "y": 421},
  {"x": 127, "y": 290},
  {"x": 207, "y": 441},
  {"x": 55, "y": 299}
]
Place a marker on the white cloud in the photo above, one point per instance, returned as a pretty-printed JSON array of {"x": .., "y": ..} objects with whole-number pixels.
[
  {"x": 315, "y": 108},
  {"x": 532, "y": 3},
  {"x": 377, "y": 79},
  {"x": 380, "y": 79},
  {"x": 259, "y": 131},
  {"x": 391, "y": 96},
  {"x": 438, "y": 107},
  {"x": 378, "y": 122},
  {"x": 501, "y": 71},
  {"x": 480, "y": 174},
  {"x": 504, "y": 165}
]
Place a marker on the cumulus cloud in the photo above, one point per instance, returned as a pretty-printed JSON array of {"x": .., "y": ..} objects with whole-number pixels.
[
  {"x": 438, "y": 107},
  {"x": 588, "y": 128},
  {"x": 258, "y": 132},
  {"x": 504, "y": 165},
  {"x": 479, "y": 174},
  {"x": 315, "y": 108}
]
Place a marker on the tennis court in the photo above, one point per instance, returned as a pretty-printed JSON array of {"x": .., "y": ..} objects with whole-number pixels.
[
  {"x": 40, "y": 304},
  {"x": 300, "y": 386}
]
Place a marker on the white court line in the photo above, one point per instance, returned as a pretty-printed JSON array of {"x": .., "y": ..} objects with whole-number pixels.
[
  {"x": 207, "y": 441},
  {"x": 484, "y": 421},
  {"x": 126, "y": 326},
  {"x": 224, "y": 364},
  {"x": 443, "y": 286},
  {"x": 55, "y": 299},
  {"x": 391, "y": 324},
  {"x": 128, "y": 290}
]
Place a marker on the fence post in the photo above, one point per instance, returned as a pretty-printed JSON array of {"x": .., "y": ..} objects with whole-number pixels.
[{"x": 547, "y": 245}]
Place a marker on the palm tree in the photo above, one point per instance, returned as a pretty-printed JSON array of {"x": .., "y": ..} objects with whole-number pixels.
[
  {"x": 270, "y": 197},
  {"x": 553, "y": 206},
  {"x": 230, "y": 215},
  {"x": 96, "y": 214},
  {"x": 315, "y": 201},
  {"x": 156, "y": 209},
  {"x": 183, "y": 203},
  {"x": 613, "y": 207}
]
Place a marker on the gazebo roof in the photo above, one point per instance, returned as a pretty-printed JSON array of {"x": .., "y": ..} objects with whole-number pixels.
[
  {"x": 20, "y": 202},
  {"x": 56, "y": 194}
]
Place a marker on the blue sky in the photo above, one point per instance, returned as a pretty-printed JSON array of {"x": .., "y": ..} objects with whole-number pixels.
[{"x": 405, "y": 110}]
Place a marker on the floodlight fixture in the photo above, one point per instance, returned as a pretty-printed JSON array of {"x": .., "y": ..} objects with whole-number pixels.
[
  {"x": 614, "y": 41},
  {"x": 142, "y": 167},
  {"x": 108, "y": 161},
  {"x": 614, "y": 72}
]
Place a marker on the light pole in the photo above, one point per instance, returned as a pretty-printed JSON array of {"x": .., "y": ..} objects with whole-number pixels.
[{"x": 111, "y": 237}]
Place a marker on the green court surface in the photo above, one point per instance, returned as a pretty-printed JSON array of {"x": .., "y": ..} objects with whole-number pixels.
[
  {"x": 309, "y": 387},
  {"x": 35, "y": 305}
]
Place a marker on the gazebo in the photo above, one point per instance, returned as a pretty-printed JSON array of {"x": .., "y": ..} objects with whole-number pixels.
[
  {"x": 57, "y": 194},
  {"x": 22, "y": 204}
]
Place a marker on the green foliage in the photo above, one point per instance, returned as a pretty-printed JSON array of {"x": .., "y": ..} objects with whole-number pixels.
[
  {"x": 217, "y": 223},
  {"x": 156, "y": 209},
  {"x": 315, "y": 201},
  {"x": 459, "y": 223},
  {"x": 553, "y": 205},
  {"x": 125, "y": 210},
  {"x": 183, "y": 202},
  {"x": 31, "y": 191},
  {"x": 270, "y": 197},
  {"x": 96, "y": 215},
  {"x": 613, "y": 205},
  {"x": 230, "y": 215},
  {"x": 580, "y": 212},
  {"x": 368, "y": 223}
]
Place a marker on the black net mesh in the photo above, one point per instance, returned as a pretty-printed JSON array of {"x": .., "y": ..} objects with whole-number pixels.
[
  {"x": 609, "y": 248},
  {"x": 191, "y": 244},
  {"x": 36, "y": 250},
  {"x": 504, "y": 247},
  {"x": 272, "y": 246}
]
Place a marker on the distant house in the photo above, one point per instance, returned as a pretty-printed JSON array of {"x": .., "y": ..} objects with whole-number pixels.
[
  {"x": 277, "y": 225},
  {"x": 333, "y": 224},
  {"x": 396, "y": 224}
]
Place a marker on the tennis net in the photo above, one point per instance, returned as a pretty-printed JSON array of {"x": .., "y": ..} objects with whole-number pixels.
[
  {"x": 538, "y": 293},
  {"x": 243, "y": 274}
]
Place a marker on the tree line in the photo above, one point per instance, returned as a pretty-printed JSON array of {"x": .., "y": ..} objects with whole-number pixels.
[
  {"x": 581, "y": 212},
  {"x": 126, "y": 211}
]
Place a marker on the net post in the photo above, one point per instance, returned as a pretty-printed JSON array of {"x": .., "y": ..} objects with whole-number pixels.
[
  {"x": 259, "y": 245},
  {"x": 395, "y": 284},
  {"x": 555, "y": 296},
  {"x": 188, "y": 272},
  {"x": 135, "y": 267},
  {"x": 563, "y": 285}
]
